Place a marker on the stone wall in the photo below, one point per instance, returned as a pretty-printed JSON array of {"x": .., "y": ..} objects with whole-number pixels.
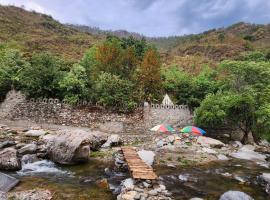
[
  {"x": 177, "y": 115},
  {"x": 53, "y": 111}
]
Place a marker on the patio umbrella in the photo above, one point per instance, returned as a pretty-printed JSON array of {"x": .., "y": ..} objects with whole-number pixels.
[
  {"x": 163, "y": 128},
  {"x": 193, "y": 129}
]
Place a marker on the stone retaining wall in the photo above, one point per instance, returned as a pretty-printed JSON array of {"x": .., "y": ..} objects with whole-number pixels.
[{"x": 43, "y": 110}]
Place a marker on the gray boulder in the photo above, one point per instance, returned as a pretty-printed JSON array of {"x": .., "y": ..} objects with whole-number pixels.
[
  {"x": 68, "y": 147},
  {"x": 113, "y": 140},
  {"x": 235, "y": 195},
  {"x": 9, "y": 160},
  {"x": 264, "y": 180},
  {"x": 28, "y": 149}
]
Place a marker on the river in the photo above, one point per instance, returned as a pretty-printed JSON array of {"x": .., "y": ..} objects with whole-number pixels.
[{"x": 79, "y": 182}]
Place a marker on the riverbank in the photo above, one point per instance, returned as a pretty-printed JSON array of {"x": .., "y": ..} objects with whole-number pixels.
[{"x": 182, "y": 160}]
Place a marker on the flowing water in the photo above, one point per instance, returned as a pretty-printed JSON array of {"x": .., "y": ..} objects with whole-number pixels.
[{"x": 79, "y": 182}]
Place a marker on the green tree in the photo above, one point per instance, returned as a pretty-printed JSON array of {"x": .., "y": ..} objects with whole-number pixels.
[
  {"x": 11, "y": 63},
  {"x": 40, "y": 79},
  {"x": 115, "y": 93},
  {"x": 74, "y": 85}
]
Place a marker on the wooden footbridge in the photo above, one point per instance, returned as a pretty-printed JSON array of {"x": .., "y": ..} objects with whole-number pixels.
[{"x": 137, "y": 167}]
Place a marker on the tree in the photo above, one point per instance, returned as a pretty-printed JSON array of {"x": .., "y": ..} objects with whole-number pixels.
[
  {"x": 11, "y": 63},
  {"x": 40, "y": 79},
  {"x": 74, "y": 85},
  {"x": 115, "y": 93},
  {"x": 149, "y": 75},
  {"x": 228, "y": 109}
]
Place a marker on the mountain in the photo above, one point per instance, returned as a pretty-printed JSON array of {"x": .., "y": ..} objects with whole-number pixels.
[
  {"x": 219, "y": 44},
  {"x": 35, "y": 32}
]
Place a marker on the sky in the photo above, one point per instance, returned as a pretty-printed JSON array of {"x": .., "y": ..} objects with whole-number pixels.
[{"x": 152, "y": 17}]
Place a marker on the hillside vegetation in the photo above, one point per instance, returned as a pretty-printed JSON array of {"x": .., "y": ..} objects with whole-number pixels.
[
  {"x": 222, "y": 75},
  {"x": 34, "y": 32}
]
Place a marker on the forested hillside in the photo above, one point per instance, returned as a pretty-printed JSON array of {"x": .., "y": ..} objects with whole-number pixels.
[{"x": 34, "y": 32}]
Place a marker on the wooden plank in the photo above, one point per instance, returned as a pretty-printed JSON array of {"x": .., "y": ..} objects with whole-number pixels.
[{"x": 138, "y": 168}]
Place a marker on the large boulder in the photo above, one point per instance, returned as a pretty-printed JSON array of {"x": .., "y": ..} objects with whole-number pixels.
[
  {"x": 264, "y": 180},
  {"x": 235, "y": 195},
  {"x": 247, "y": 153},
  {"x": 207, "y": 141},
  {"x": 147, "y": 156},
  {"x": 67, "y": 147},
  {"x": 37, "y": 194},
  {"x": 9, "y": 160}
]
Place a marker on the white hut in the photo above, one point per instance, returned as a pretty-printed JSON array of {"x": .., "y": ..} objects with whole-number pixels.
[{"x": 167, "y": 100}]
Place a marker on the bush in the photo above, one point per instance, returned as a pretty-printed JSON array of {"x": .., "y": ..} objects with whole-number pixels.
[
  {"x": 11, "y": 63},
  {"x": 40, "y": 79},
  {"x": 115, "y": 93}
]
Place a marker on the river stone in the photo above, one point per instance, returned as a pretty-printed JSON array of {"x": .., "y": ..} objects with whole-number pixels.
[
  {"x": 35, "y": 133},
  {"x": 247, "y": 153},
  {"x": 37, "y": 194},
  {"x": 7, "y": 143},
  {"x": 207, "y": 141},
  {"x": 147, "y": 156},
  {"x": 29, "y": 158},
  {"x": 128, "y": 183},
  {"x": 7, "y": 182},
  {"x": 70, "y": 147},
  {"x": 9, "y": 160},
  {"x": 3, "y": 196},
  {"x": 113, "y": 140},
  {"x": 128, "y": 195},
  {"x": 196, "y": 198},
  {"x": 222, "y": 157},
  {"x": 235, "y": 195},
  {"x": 28, "y": 149}
]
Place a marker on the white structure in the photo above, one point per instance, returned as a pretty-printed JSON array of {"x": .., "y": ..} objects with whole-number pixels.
[{"x": 167, "y": 100}]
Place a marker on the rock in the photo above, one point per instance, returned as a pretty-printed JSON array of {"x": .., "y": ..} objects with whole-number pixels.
[
  {"x": 128, "y": 184},
  {"x": 128, "y": 196},
  {"x": 28, "y": 149},
  {"x": 7, "y": 182},
  {"x": 247, "y": 153},
  {"x": 113, "y": 140},
  {"x": 9, "y": 160},
  {"x": 196, "y": 198},
  {"x": 36, "y": 194},
  {"x": 147, "y": 156},
  {"x": 207, "y": 141},
  {"x": 153, "y": 192},
  {"x": 264, "y": 180},
  {"x": 208, "y": 150},
  {"x": 222, "y": 157},
  {"x": 266, "y": 177},
  {"x": 69, "y": 147},
  {"x": 103, "y": 183},
  {"x": 237, "y": 144},
  {"x": 183, "y": 177},
  {"x": 35, "y": 133},
  {"x": 235, "y": 195},
  {"x": 7, "y": 143},
  {"x": 3, "y": 196},
  {"x": 29, "y": 158}
]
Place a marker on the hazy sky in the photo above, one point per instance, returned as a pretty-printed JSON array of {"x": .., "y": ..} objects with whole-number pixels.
[{"x": 152, "y": 17}]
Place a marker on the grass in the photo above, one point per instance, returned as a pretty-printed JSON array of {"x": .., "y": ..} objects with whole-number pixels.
[{"x": 100, "y": 154}]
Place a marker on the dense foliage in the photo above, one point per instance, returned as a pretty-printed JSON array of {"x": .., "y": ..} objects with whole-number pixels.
[{"x": 120, "y": 73}]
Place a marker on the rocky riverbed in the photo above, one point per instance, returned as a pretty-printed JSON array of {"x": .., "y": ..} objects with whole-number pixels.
[{"x": 67, "y": 164}]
